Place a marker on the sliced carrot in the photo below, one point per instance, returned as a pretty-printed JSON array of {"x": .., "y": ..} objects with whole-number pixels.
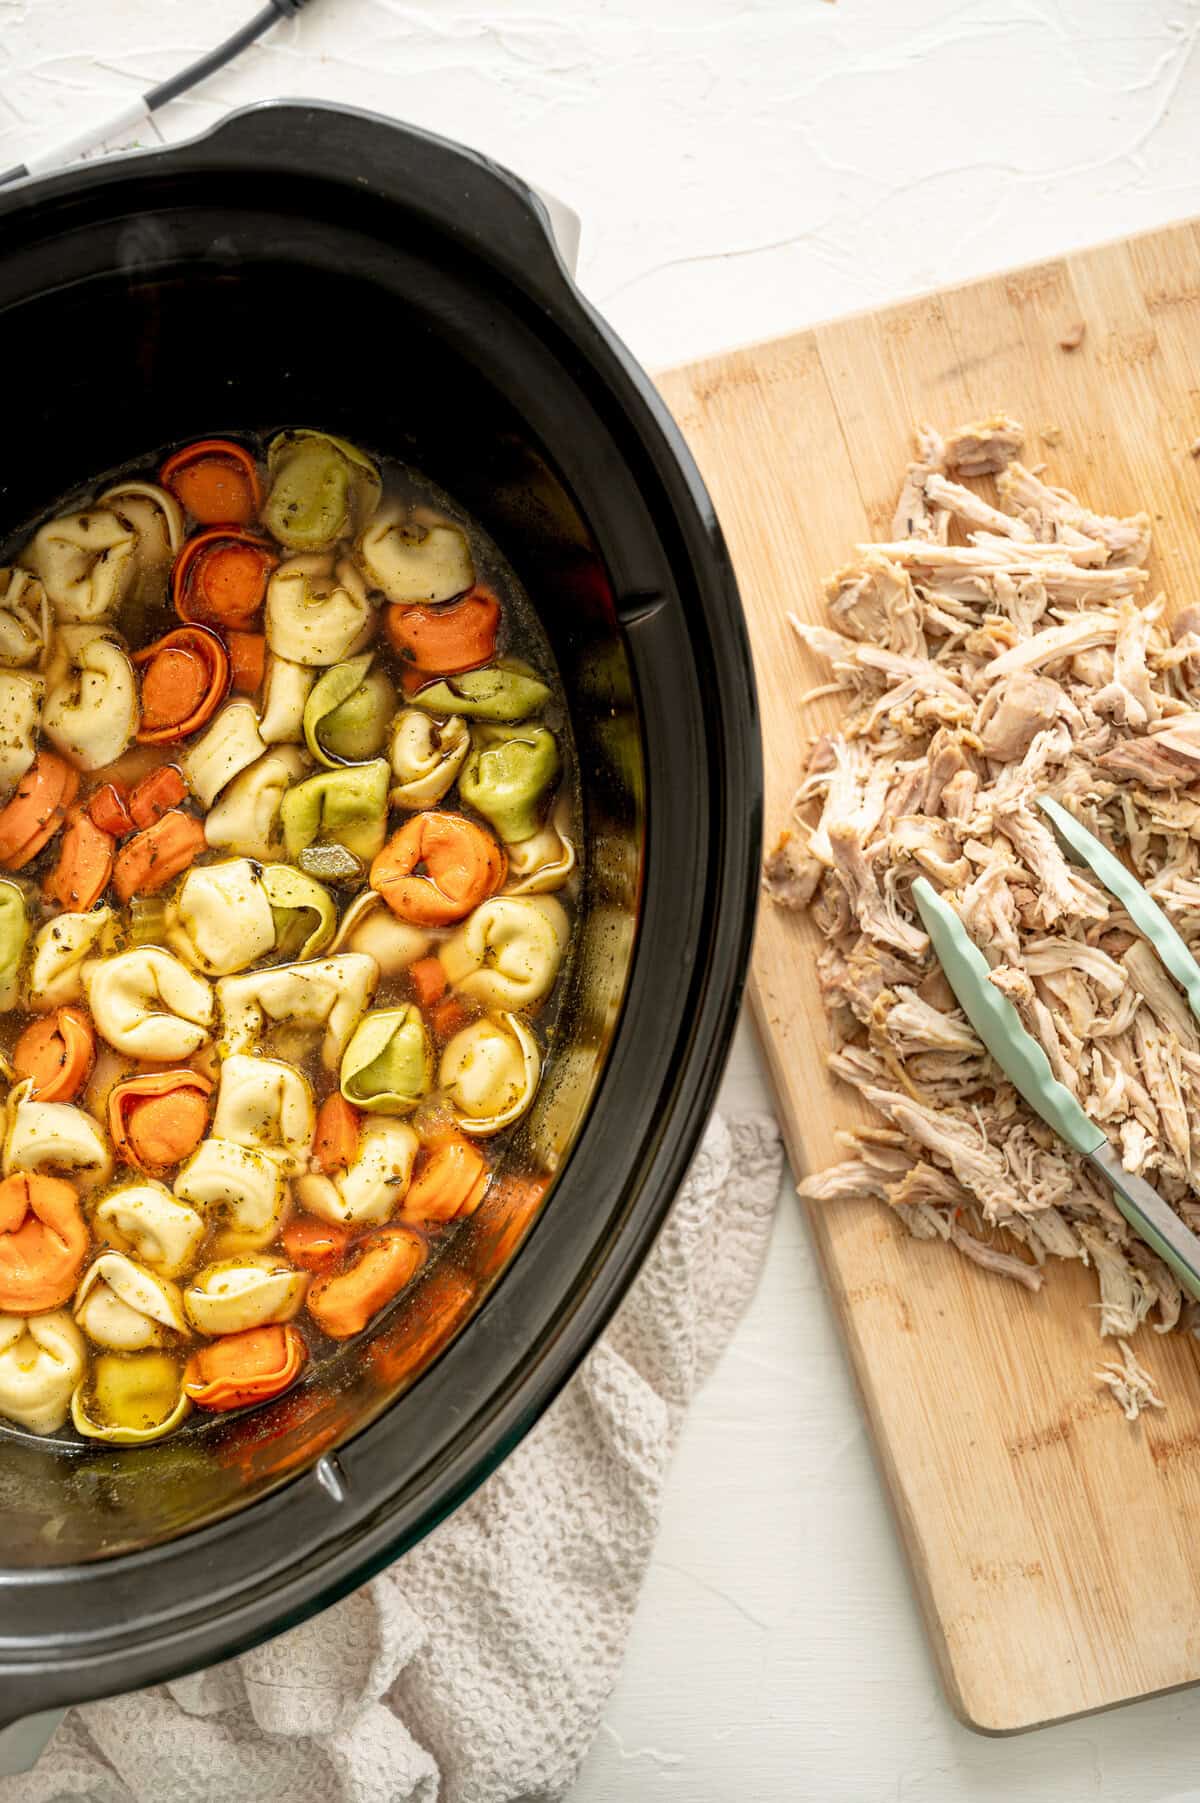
[
  {"x": 57, "y": 1053},
  {"x": 43, "y": 1242},
  {"x": 147, "y": 862},
  {"x": 215, "y": 480},
  {"x": 37, "y": 809},
  {"x": 446, "y": 640},
  {"x": 314, "y": 1245},
  {"x": 156, "y": 795},
  {"x": 437, "y": 868},
  {"x": 244, "y": 1368},
  {"x": 343, "y": 1303},
  {"x": 448, "y": 1016},
  {"x": 449, "y": 1185},
  {"x": 85, "y": 863},
  {"x": 184, "y": 677},
  {"x": 220, "y": 578},
  {"x": 248, "y": 661},
  {"x": 335, "y": 1142},
  {"x": 428, "y": 979},
  {"x": 108, "y": 809},
  {"x": 159, "y": 1118}
]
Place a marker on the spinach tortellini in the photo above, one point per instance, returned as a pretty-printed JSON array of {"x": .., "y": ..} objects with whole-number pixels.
[
  {"x": 506, "y": 690},
  {"x": 322, "y": 489},
  {"x": 388, "y": 1064},
  {"x": 346, "y": 715},
  {"x": 507, "y": 777},
  {"x": 338, "y": 807},
  {"x": 41, "y": 1361}
]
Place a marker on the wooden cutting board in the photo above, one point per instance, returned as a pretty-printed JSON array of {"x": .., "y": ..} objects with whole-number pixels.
[{"x": 1055, "y": 1547}]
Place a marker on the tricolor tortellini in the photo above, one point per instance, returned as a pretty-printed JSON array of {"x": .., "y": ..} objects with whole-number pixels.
[
  {"x": 148, "y": 1004},
  {"x": 250, "y": 704},
  {"x": 41, "y": 1361},
  {"x": 327, "y": 996},
  {"x": 507, "y": 953},
  {"x": 489, "y": 1072},
  {"x": 91, "y": 711}
]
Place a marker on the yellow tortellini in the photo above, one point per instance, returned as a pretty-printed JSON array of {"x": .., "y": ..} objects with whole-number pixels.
[
  {"x": 21, "y": 698},
  {"x": 286, "y": 688},
  {"x": 304, "y": 912},
  {"x": 156, "y": 519},
  {"x": 91, "y": 712},
  {"x": 388, "y": 1064},
  {"x": 369, "y": 926},
  {"x": 14, "y": 934},
  {"x": 148, "y": 1004},
  {"x": 239, "y": 1293},
  {"x": 25, "y": 619},
  {"x": 222, "y": 919},
  {"x": 130, "y": 1398},
  {"x": 427, "y": 755},
  {"x": 231, "y": 744},
  {"x": 489, "y": 1071},
  {"x": 54, "y": 1136},
  {"x": 41, "y": 1361},
  {"x": 60, "y": 950},
  {"x": 413, "y": 556},
  {"x": 244, "y": 1189},
  {"x": 126, "y": 1308},
  {"x": 327, "y": 995},
  {"x": 146, "y": 1220},
  {"x": 376, "y": 1183},
  {"x": 507, "y": 953},
  {"x": 246, "y": 817},
  {"x": 85, "y": 561},
  {"x": 266, "y": 1106},
  {"x": 317, "y": 613},
  {"x": 539, "y": 865}
]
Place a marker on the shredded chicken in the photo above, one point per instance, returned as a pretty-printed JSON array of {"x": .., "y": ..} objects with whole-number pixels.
[{"x": 990, "y": 654}]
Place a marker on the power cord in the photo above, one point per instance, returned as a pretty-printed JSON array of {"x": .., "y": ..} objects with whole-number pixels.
[{"x": 114, "y": 124}]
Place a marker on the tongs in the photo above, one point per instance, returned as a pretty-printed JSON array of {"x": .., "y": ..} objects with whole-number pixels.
[{"x": 1024, "y": 1062}]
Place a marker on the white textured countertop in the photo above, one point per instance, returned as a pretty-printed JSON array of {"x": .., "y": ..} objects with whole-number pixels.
[{"x": 743, "y": 167}]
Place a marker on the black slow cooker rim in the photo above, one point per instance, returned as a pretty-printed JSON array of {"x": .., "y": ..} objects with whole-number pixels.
[{"x": 507, "y": 225}]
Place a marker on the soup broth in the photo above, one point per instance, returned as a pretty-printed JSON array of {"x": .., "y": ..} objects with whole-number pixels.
[{"x": 288, "y": 830}]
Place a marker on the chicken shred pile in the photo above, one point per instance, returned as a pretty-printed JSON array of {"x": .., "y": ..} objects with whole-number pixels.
[{"x": 992, "y": 651}]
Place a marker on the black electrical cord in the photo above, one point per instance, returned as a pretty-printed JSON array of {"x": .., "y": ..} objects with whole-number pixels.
[{"x": 203, "y": 67}]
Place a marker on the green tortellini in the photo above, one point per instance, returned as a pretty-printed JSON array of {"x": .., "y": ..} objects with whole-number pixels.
[
  {"x": 507, "y": 775},
  {"x": 345, "y": 807},
  {"x": 305, "y": 913},
  {"x": 347, "y": 714},
  {"x": 507, "y": 690},
  {"x": 322, "y": 489},
  {"x": 14, "y": 933},
  {"x": 388, "y": 1065}
]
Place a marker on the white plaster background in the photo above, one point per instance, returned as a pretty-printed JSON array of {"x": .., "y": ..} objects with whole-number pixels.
[{"x": 743, "y": 167}]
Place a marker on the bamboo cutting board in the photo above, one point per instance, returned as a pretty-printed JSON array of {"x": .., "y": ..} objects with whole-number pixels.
[{"x": 1056, "y": 1548}]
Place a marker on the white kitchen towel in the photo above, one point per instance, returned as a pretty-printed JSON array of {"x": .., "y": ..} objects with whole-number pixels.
[{"x": 476, "y": 1669}]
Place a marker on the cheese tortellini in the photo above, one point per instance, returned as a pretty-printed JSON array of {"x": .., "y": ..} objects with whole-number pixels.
[
  {"x": 416, "y": 557},
  {"x": 427, "y": 755},
  {"x": 85, "y": 561},
  {"x": 21, "y": 698},
  {"x": 60, "y": 950},
  {"x": 236, "y": 1294},
  {"x": 369, "y": 926},
  {"x": 242, "y": 1188},
  {"x": 230, "y": 745},
  {"x": 222, "y": 919},
  {"x": 25, "y": 619},
  {"x": 14, "y": 934},
  {"x": 124, "y": 1307},
  {"x": 246, "y": 818},
  {"x": 328, "y": 995},
  {"x": 286, "y": 688},
  {"x": 543, "y": 863},
  {"x": 148, "y": 1004},
  {"x": 317, "y": 613},
  {"x": 266, "y": 1106},
  {"x": 41, "y": 1361},
  {"x": 91, "y": 712},
  {"x": 507, "y": 953},
  {"x": 146, "y": 1220},
  {"x": 54, "y": 1136},
  {"x": 489, "y": 1072},
  {"x": 372, "y": 1188}
]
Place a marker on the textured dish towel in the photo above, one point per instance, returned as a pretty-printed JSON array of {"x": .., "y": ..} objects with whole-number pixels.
[{"x": 476, "y": 1669}]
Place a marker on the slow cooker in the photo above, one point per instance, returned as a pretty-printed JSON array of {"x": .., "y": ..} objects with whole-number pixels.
[{"x": 307, "y": 264}]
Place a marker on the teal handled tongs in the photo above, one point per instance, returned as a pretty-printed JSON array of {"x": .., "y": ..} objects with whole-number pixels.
[{"x": 1024, "y": 1062}]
